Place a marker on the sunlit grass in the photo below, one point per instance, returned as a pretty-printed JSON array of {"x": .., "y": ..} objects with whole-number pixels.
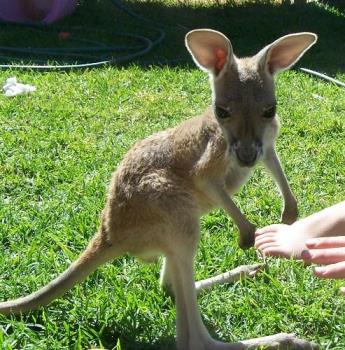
[{"x": 58, "y": 148}]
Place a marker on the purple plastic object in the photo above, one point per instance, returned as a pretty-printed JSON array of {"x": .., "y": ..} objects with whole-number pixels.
[{"x": 28, "y": 11}]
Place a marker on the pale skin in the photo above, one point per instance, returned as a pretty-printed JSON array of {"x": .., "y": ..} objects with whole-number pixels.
[{"x": 318, "y": 238}]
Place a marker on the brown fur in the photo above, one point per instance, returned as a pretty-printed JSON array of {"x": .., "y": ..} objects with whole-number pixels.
[{"x": 167, "y": 181}]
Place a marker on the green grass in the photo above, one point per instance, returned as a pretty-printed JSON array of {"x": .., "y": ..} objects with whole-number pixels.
[{"x": 59, "y": 146}]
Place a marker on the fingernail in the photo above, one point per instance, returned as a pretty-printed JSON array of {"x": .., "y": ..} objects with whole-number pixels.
[
  {"x": 306, "y": 254},
  {"x": 342, "y": 290}
]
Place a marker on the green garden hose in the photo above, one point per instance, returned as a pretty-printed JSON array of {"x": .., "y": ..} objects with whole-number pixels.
[{"x": 142, "y": 47}]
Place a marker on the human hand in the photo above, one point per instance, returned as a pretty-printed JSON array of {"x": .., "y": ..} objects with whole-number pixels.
[{"x": 329, "y": 252}]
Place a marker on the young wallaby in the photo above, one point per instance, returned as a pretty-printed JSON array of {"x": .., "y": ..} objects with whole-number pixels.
[{"x": 168, "y": 180}]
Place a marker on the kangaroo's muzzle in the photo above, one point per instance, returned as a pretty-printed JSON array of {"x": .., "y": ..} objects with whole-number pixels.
[{"x": 247, "y": 153}]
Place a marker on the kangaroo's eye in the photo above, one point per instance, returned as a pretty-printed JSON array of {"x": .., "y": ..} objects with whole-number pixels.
[
  {"x": 222, "y": 113},
  {"x": 269, "y": 113}
]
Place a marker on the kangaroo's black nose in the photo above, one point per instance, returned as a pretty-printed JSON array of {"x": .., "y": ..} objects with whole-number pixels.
[{"x": 247, "y": 156}]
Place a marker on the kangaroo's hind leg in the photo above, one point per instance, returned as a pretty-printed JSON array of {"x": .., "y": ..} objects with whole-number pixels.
[{"x": 179, "y": 276}]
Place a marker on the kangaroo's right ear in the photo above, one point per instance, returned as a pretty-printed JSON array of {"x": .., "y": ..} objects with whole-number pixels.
[{"x": 211, "y": 50}]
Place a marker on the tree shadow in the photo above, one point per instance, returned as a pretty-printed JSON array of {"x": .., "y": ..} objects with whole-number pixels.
[
  {"x": 335, "y": 3},
  {"x": 252, "y": 26},
  {"x": 249, "y": 27}
]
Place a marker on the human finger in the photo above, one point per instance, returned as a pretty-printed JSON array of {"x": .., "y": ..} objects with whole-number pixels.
[
  {"x": 331, "y": 271},
  {"x": 324, "y": 256},
  {"x": 326, "y": 242}
]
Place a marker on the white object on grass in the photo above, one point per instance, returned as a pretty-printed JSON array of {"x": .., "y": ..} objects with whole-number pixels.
[{"x": 13, "y": 88}]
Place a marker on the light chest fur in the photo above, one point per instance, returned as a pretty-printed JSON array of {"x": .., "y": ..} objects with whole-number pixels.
[{"x": 236, "y": 176}]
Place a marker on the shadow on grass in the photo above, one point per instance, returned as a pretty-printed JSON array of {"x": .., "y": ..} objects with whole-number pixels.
[
  {"x": 123, "y": 333},
  {"x": 111, "y": 336},
  {"x": 249, "y": 27}
]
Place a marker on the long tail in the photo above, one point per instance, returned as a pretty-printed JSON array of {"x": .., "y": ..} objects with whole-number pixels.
[{"x": 94, "y": 255}]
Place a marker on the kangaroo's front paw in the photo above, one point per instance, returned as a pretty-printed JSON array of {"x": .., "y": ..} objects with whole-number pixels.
[
  {"x": 290, "y": 213},
  {"x": 247, "y": 237}
]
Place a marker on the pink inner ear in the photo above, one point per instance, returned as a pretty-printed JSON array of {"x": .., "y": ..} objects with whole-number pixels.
[{"x": 220, "y": 60}]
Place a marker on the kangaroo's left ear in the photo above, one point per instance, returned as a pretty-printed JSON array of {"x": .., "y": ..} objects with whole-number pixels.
[{"x": 285, "y": 52}]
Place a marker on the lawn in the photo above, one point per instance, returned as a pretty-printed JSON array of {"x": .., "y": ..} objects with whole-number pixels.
[{"x": 59, "y": 146}]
